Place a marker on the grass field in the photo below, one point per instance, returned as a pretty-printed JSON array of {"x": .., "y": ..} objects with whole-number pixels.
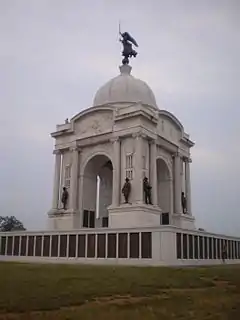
[{"x": 32, "y": 291}]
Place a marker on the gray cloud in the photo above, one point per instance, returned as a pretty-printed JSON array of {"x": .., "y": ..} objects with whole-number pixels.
[{"x": 55, "y": 54}]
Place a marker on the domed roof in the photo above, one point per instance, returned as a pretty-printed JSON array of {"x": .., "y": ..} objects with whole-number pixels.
[{"x": 125, "y": 88}]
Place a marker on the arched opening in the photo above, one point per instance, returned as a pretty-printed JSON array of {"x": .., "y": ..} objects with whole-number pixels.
[
  {"x": 97, "y": 191},
  {"x": 164, "y": 188}
]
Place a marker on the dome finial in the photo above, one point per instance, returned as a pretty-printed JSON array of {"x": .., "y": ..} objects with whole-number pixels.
[{"x": 125, "y": 69}]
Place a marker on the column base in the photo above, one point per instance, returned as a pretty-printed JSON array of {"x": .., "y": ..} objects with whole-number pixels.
[
  {"x": 60, "y": 219},
  {"x": 184, "y": 221},
  {"x": 134, "y": 215}
]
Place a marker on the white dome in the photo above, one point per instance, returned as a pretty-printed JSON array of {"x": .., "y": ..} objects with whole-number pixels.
[{"x": 125, "y": 88}]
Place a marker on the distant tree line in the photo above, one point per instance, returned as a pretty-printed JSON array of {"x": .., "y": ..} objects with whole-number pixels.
[{"x": 10, "y": 224}]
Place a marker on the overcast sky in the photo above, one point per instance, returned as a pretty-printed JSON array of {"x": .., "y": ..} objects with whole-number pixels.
[{"x": 55, "y": 54}]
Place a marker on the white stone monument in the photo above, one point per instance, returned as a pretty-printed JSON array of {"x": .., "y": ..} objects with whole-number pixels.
[{"x": 124, "y": 134}]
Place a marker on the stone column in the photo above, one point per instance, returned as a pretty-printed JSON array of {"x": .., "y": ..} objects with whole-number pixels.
[
  {"x": 73, "y": 205},
  {"x": 81, "y": 185},
  {"x": 138, "y": 170},
  {"x": 188, "y": 186},
  {"x": 153, "y": 171},
  {"x": 56, "y": 183},
  {"x": 116, "y": 172},
  {"x": 183, "y": 174},
  {"x": 177, "y": 184},
  {"x": 171, "y": 204}
]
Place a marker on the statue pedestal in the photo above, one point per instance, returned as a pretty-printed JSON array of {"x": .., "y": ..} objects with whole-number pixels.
[
  {"x": 184, "y": 221},
  {"x": 60, "y": 219},
  {"x": 134, "y": 215}
]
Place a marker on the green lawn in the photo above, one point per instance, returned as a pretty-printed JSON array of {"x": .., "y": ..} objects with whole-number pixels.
[{"x": 33, "y": 291}]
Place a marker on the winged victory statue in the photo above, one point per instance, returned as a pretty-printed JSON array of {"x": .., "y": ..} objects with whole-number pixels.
[{"x": 128, "y": 52}]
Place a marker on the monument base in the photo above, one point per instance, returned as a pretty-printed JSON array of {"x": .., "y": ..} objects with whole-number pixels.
[
  {"x": 184, "y": 221},
  {"x": 60, "y": 219},
  {"x": 132, "y": 216}
]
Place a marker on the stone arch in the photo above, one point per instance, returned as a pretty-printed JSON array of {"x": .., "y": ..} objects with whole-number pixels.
[
  {"x": 91, "y": 156},
  {"x": 164, "y": 184},
  {"x": 168, "y": 164},
  {"x": 97, "y": 177}
]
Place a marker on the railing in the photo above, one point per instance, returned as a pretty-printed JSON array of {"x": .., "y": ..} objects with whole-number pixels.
[
  {"x": 122, "y": 245},
  {"x": 200, "y": 247}
]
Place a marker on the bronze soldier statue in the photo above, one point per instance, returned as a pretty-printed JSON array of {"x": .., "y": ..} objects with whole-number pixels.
[
  {"x": 64, "y": 198},
  {"x": 126, "y": 189},
  {"x": 147, "y": 191},
  {"x": 184, "y": 203}
]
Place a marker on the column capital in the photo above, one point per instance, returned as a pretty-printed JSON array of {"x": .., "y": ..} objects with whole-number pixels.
[
  {"x": 57, "y": 152},
  {"x": 187, "y": 159},
  {"x": 153, "y": 141},
  {"x": 114, "y": 139},
  {"x": 139, "y": 134},
  {"x": 136, "y": 135},
  {"x": 75, "y": 148},
  {"x": 176, "y": 155}
]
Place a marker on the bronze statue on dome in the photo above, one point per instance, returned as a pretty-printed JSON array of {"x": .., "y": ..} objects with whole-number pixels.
[{"x": 128, "y": 51}]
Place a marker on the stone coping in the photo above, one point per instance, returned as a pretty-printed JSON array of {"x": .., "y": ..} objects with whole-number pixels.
[{"x": 168, "y": 228}]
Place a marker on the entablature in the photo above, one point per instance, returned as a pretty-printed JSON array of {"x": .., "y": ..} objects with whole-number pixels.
[
  {"x": 186, "y": 141},
  {"x": 62, "y": 129}
]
